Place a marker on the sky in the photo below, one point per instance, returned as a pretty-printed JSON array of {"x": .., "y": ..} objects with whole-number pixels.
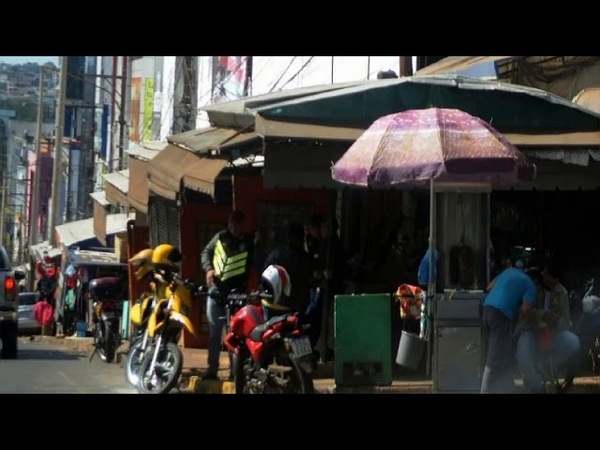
[{"x": 25, "y": 59}]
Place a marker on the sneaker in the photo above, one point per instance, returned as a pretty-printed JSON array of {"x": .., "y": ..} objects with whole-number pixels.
[{"x": 210, "y": 376}]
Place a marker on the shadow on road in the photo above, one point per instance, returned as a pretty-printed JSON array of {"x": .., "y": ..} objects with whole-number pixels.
[{"x": 48, "y": 354}]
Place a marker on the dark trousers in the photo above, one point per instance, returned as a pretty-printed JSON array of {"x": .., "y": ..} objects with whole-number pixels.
[{"x": 496, "y": 352}]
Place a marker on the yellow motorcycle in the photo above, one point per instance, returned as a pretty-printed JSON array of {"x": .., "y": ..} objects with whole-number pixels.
[
  {"x": 162, "y": 364},
  {"x": 139, "y": 317}
]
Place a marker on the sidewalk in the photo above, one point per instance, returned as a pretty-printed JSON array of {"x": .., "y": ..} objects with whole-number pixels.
[{"x": 195, "y": 365}]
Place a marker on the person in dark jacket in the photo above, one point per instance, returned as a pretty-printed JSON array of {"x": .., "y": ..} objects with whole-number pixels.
[
  {"x": 226, "y": 260},
  {"x": 296, "y": 261}
]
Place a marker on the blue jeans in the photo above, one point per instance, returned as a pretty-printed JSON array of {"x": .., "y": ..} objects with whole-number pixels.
[
  {"x": 564, "y": 355},
  {"x": 215, "y": 314},
  {"x": 496, "y": 349}
]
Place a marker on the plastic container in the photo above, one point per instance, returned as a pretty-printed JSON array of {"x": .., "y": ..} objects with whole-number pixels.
[
  {"x": 81, "y": 328},
  {"x": 410, "y": 350}
]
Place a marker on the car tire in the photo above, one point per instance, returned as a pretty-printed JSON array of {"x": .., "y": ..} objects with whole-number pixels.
[{"x": 9, "y": 341}]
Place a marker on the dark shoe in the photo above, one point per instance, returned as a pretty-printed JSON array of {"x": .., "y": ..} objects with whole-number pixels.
[
  {"x": 565, "y": 385},
  {"x": 210, "y": 376}
]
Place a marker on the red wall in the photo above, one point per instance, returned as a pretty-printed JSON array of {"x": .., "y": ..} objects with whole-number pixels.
[{"x": 192, "y": 215}]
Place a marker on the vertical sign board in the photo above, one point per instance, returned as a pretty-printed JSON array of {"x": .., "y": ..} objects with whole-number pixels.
[
  {"x": 148, "y": 111},
  {"x": 136, "y": 98}
]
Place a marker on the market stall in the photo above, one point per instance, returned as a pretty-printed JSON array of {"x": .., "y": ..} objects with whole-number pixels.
[{"x": 459, "y": 158}]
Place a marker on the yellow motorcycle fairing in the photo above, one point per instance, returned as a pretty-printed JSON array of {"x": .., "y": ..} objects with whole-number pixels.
[
  {"x": 136, "y": 313},
  {"x": 183, "y": 320},
  {"x": 156, "y": 319},
  {"x": 180, "y": 306}
]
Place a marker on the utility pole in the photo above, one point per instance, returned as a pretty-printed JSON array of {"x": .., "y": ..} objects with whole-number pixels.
[
  {"x": 58, "y": 151},
  {"x": 35, "y": 191},
  {"x": 124, "y": 69},
  {"x": 4, "y": 178}
]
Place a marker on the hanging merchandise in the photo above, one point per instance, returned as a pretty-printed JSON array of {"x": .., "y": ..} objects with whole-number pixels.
[
  {"x": 462, "y": 268},
  {"x": 410, "y": 299}
]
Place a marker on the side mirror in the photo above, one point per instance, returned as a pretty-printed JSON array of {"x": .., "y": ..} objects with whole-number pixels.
[{"x": 19, "y": 275}]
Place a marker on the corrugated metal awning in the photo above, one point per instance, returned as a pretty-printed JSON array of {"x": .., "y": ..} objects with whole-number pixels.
[
  {"x": 174, "y": 165},
  {"x": 213, "y": 139}
]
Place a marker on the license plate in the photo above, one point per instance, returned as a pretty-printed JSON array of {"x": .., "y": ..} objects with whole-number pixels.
[{"x": 301, "y": 347}]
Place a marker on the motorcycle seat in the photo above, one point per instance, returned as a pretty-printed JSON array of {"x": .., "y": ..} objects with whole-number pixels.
[
  {"x": 105, "y": 287},
  {"x": 257, "y": 332}
]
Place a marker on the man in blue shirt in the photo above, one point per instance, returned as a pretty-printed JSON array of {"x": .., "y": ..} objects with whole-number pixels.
[{"x": 512, "y": 292}]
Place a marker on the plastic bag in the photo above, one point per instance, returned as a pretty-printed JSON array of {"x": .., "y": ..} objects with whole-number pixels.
[{"x": 411, "y": 300}]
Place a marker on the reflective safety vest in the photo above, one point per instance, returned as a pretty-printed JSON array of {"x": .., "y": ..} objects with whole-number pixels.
[{"x": 228, "y": 266}]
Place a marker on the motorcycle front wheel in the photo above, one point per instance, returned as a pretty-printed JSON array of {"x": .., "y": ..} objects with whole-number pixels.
[
  {"x": 165, "y": 374},
  {"x": 135, "y": 356}
]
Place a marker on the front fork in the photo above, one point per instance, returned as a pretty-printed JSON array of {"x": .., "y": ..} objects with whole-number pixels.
[{"x": 155, "y": 355}]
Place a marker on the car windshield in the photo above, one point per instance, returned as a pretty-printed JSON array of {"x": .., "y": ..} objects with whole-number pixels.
[{"x": 28, "y": 298}]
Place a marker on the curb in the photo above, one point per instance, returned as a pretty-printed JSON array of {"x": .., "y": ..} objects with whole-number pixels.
[{"x": 199, "y": 386}]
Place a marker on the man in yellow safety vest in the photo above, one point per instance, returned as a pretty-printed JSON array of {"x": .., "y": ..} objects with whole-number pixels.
[{"x": 226, "y": 261}]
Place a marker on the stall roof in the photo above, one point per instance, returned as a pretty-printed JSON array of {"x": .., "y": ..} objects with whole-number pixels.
[
  {"x": 100, "y": 197},
  {"x": 94, "y": 258},
  {"x": 147, "y": 150},
  {"x": 239, "y": 113},
  {"x": 119, "y": 179},
  {"x": 209, "y": 139},
  {"x": 37, "y": 250},
  {"x": 174, "y": 165},
  {"x": 527, "y": 116},
  {"x": 71, "y": 233}
]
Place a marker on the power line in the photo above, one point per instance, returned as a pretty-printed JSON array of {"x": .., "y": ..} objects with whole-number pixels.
[
  {"x": 297, "y": 73},
  {"x": 282, "y": 74}
]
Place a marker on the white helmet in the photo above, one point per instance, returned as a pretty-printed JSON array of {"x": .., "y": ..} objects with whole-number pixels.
[{"x": 275, "y": 281}]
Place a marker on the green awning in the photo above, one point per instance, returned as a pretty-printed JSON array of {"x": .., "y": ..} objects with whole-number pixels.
[{"x": 509, "y": 108}]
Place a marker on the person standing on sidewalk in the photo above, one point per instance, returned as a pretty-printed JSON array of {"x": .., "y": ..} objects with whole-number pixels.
[{"x": 226, "y": 262}]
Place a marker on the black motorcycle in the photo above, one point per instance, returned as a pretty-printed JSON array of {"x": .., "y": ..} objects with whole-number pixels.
[{"x": 106, "y": 295}]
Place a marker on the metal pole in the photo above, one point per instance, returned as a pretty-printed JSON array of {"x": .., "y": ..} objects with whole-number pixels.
[
  {"x": 121, "y": 162},
  {"x": 4, "y": 178},
  {"x": 35, "y": 192},
  {"x": 58, "y": 151}
]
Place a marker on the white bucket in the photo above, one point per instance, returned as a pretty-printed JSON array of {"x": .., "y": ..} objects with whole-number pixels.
[{"x": 410, "y": 350}]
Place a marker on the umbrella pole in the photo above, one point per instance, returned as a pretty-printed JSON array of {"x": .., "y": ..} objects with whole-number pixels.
[{"x": 431, "y": 283}]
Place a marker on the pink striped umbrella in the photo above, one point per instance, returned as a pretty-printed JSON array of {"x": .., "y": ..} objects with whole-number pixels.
[{"x": 415, "y": 147}]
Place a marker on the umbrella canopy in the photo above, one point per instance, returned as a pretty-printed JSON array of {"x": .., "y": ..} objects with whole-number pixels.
[{"x": 417, "y": 146}]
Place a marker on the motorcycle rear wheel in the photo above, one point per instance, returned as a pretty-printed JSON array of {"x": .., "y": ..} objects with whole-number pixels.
[
  {"x": 166, "y": 373},
  {"x": 106, "y": 342}
]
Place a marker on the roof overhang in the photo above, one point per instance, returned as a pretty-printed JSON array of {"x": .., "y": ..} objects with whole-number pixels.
[{"x": 175, "y": 166}]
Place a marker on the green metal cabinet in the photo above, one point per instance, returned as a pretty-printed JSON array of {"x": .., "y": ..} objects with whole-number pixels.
[{"x": 363, "y": 339}]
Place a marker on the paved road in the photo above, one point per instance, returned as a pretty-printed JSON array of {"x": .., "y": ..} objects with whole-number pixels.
[{"x": 43, "y": 368}]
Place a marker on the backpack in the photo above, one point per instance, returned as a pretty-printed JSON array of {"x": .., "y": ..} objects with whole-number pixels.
[{"x": 43, "y": 313}]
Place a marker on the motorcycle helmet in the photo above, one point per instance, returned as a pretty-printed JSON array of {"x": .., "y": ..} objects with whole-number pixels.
[
  {"x": 166, "y": 256},
  {"x": 275, "y": 281},
  {"x": 142, "y": 263}
]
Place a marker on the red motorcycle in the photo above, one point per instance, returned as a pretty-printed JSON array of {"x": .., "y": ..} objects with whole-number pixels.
[{"x": 274, "y": 356}]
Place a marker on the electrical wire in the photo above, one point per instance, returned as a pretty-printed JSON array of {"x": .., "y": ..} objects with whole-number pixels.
[{"x": 282, "y": 74}]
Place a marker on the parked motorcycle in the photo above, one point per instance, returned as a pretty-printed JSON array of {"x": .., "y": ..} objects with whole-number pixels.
[
  {"x": 273, "y": 356},
  {"x": 162, "y": 364},
  {"x": 106, "y": 294},
  {"x": 139, "y": 317},
  {"x": 587, "y": 326}
]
